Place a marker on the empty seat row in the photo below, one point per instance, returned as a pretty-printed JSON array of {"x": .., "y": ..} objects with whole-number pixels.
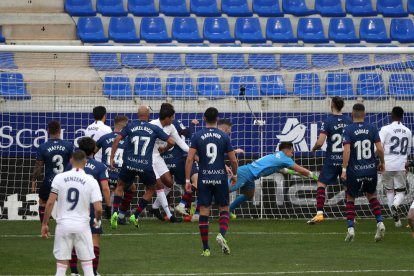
[
  {"x": 247, "y": 30},
  {"x": 333, "y": 8},
  {"x": 12, "y": 86}
]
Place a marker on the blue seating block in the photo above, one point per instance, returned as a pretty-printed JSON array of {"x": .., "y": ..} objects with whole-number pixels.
[
  {"x": 373, "y": 30},
  {"x": 401, "y": 86},
  {"x": 148, "y": 87},
  {"x": 235, "y": 8},
  {"x": 12, "y": 87},
  {"x": 104, "y": 61},
  {"x": 209, "y": 86},
  {"x": 142, "y": 7},
  {"x": 342, "y": 30},
  {"x": 355, "y": 59},
  {"x": 90, "y": 30},
  {"x": 263, "y": 61},
  {"x": 79, "y": 8},
  {"x": 231, "y": 61},
  {"x": 329, "y": 8},
  {"x": 248, "y": 30},
  {"x": 370, "y": 85},
  {"x": 174, "y": 8},
  {"x": 204, "y": 8},
  {"x": 310, "y": 30},
  {"x": 154, "y": 30},
  {"x": 360, "y": 8},
  {"x": 135, "y": 60},
  {"x": 267, "y": 8},
  {"x": 248, "y": 82},
  {"x": 111, "y": 8},
  {"x": 294, "y": 61},
  {"x": 396, "y": 60},
  {"x": 217, "y": 30},
  {"x": 199, "y": 61},
  {"x": 296, "y": 7},
  {"x": 117, "y": 87},
  {"x": 180, "y": 86},
  {"x": 410, "y": 6},
  {"x": 325, "y": 60},
  {"x": 307, "y": 86},
  {"x": 272, "y": 85},
  {"x": 339, "y": 84},
  {"x": 7, "y": 61},
  {"x": 391, "y": 8},
  {"x": 402, "y": 30},
  {"x": 168, "y": 61},
  {"x": 280, "y": 30},
  {"x": 184, "y": 29},
  {"x": 122, "y": 30}
]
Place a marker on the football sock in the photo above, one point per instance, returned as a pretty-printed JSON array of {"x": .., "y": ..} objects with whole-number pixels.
[
  {"x": 126, "y": 201},
  {"x": 87, "y": 268},
  {"x": 376, "y": 209},
  {"x": 390, "y": 197},
  {"x": 197, "y": 209},
  {"x": 350, "y": 213},
  {"x": 320, "y": 199},
  {"x": 61, "y": 269},
  {"x": 156, "y": 204},
  {"x": 41, "y": 213},
  {"x": 187, "y": 198},
  {"x": 239, "y": 200},
  {"x": 164, "y": 203},
  {"x": 95, "y": 261},
  {"x": 399, "y": 198},
  {"x": 224, "y": 222},
  {"x": 116, "y": 203},
  {"x": 73, "y": 263},
  {"x": 142, "y": 203},
  {"x": 203, "y": 226}
]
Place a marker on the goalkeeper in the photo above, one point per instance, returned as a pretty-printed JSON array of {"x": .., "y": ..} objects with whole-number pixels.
[{"x": 267, "y": 165}]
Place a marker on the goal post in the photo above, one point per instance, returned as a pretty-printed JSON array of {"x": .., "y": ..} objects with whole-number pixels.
[{"x": 270, "y": 94}]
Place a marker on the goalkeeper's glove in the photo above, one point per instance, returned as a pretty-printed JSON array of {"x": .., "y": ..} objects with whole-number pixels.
[
  {"x": 108, "y": 212},
  {"x": 293, "y": 172}
]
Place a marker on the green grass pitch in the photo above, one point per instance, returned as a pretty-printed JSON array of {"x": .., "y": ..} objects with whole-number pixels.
[{"x": 272, "y": 247}]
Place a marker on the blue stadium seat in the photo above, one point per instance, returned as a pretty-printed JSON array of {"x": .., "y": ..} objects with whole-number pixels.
[
  {"x": 272, "y": 85},
  {"x": 342, "y": 30},
  {"x": 329, "y": 8},
  {"x": 12, "y": 87},
  {"x": 185, "y": 30},
  {"x": 279, "y": 30},
  {"x": 142, "y": 7},
  {"x": 267, "y": 8},
  {"x": 310, "y": 30},
  {"x": 410, "y": 6},
  {"x": 204, "y": 8},
  {"x": 90, "y": 30},
  {"x": 7, "y": 60},
  {"x": 401, "y": 86},
  {"x": 199, "y": 61},
  {"x": 104, "y": 61},
  {"x": 325, "y": 60},
  {"x": 248, "y": 30},
  {"x": 391, "y": 8},
  {"x": 339, "y": 84},
  {"x": 370, "y": 85},
  {"x": 79, "y": 8},
  {"x": 307, "y": 86},
  {"x": 360, "y": 8},
  {"x": 209, "y": 86},
  {"x": 402, "y": 30},
  {"x": 396, "y": 60},
  {"x": 410, "y": 60},
  {"x": 122, "y": 30},
  {"x": 117, "y": 87},
  {"x": 357, "y": 60},
  {"x": 111, "y": 8},
  {"x": 296, "y": 7},
  {"x": 174, "y": 7},
  {"x": 263, "y": 61},
  {"x": 168, "y": 61},
  {"x": 217, "y": 30},
  {"x": 148, "y": 87},
  {"x": 135, "y": 60},
  {"x": 231, "y": 61},
  {"x": 248, "y": 82},
  {"x": 180, "y": 86},
  {"x": 373, "y": 30},
  {"x": 235, "y": 8},
  {"x": 2, "y": 38},
  {"x": 154, "y": 30},
  {"x": 294, "y": 61}
]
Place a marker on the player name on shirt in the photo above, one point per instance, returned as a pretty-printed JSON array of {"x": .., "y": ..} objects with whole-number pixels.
[
  {"x": 361, "y": 131},
  {"x": 213, "y": 171},
  {"x": 74, "y": 179},
  {"x": 139, "y": 128},
  {"x": 399, "y": 130},
  {"x": 339, "y": 126},
  {"x": 210, "y": 135},
  {"x": 90, "y": 166},
  {"x": 139, "y": 161},
  {"x": 54, "y": 148}
]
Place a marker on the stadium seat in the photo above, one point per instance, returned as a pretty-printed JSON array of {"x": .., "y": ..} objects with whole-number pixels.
[
  {"x": 148, "y": 86},
  {"x": 111, "y": 8},
  {"x": 296, "y": 7},
  {"x": 339, "y": 84},
  {"x": 307, "y": 86},
  {"x": 263, "y": 61},
  {"x": 272, "y": 85},
  {"x": 235, "y": 8},
  {"x": 231, "y": 61},
  {"x": 204, "y": 8},
  {"x": 174, "y": 8},
  {"x": 329, "y": 8},
  {"x": 154, "y": 30},
  {"x": 267, "y": 8},
  {"x": 142, "y": 7},
  {"x": 185, "y": 30},
  {"x": 351, "y": 60},
  {"x": 90, "y": 30},
  {"x": 279, "y": 30},
  {"x": 104, "y": 61},
  {"x": 248, "y": 82},
  {"x": 294, "y": 61},
  {"x": 217, "y": 30},
  {"x": 373, "y": 30},
  {"x": 396, "y": 60},
  {"x": 402, "y": 30},
  {"x": 180, "y": 86},
  {"x": 248, "y": 30},
  {"x": 209, "y": 86},
  {"x": 168, "y": 61},
  {"x": 7, "y": 60},
  {"x": 135, "y": 60},
  {"x": 310, "y": 30},
  {"x": 79, "y": 8},
  {"x": 342, "y": 30},
  {"x": 391, "y": 8},
  {"x": 122, "y": 30},
  {"x": 325, "y": 60},
  {"x": 2, "y": 38},
  {"x": 370, "y": 85},
  {"x": 360, "y": 8},
  {"x": 401, "y": 86},
  {"x": 199, "y": 61},
  {"x": 12, "y": 87},
  {"x": 410, "y": 6},
  {"x": 117, "y": 87}
]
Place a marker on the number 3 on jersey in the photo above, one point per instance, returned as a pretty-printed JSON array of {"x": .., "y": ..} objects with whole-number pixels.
[{"x": 211, "y": 152}]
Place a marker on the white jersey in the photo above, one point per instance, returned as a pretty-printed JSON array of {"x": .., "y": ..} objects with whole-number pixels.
[
  {"x": 76, "y": 190},
  {"x": 397, "y": 142},
  {"x": 96, "y": 130},
  {"x": 172, "y": 131}
]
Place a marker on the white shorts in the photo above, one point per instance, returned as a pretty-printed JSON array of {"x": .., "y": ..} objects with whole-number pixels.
[
  {"x": 65, "y": 241},
  {"x": 159, "y": 166},
  {"x": 394, "y": 180},
  {"x": 412, "y": 205}
]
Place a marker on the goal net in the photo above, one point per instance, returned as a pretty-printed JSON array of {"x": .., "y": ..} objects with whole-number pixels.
[{"x": 270, "y": 94}]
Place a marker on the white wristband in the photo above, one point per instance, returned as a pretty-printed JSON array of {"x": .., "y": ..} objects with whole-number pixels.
[
  {"x": 310, "y": 175},
  {"x": 187, "y": 181},
  {"x": 97, "y": 223},
  {"x": 343, "y": 169},
  {"x": 234, "y": 175}
]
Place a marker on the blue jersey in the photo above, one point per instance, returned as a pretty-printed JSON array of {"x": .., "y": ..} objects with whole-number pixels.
[
  {"x": 141, "y": 137},
  {"x": 211, "y": 144},
  {"x": 176, "y": 155},
  {"x": 105, "y": 143},
  {"x": 55, "y": 154},
  {"x": 95, "y": 168},
  {"x": 270, "y": 164},
  {"x": 333, "y": 128},
  {"x": 361, "y": 137}
]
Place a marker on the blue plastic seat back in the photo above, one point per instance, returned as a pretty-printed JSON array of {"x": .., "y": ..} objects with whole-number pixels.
[
  {"x": 204, "y": 7},
  {"x": 184, "y": 29},
  {"x": 142, "y": 7},
  {"x": 294, "y": 61},
  {"x": 339, "y": 84},
  {"x": 135, "y": 60},
  {"x": 199, "y": 61},
  {"x": 174, "y": 7},
  {"x": 401, "y": 85},
  {"x": 79, "y": 8},
  {"x": 392, "y": 8},
  {"x": 7, "y": 60},
  {"x": 111, "y": 8},
  {"x": 90, "y": 30},
  {"x": 355, "y": 60},
  {"x": 272, "y": 85},
  {"x": 148, "y": 86},
  {"x": 12, "y": 86},
  {"x": 217, "y": 30},
  {"x": 393, "y": 61},
  {"x": 329, "y": 8},
  {"x": 296, "y": 7},
  {"x": 235, "y": 8},
  {"x": 342, "y": 30},
  {"x": 370, "y": 85},
  {"x": 122, "y": 30},
  {"x": 310, "y": 30},
  {"x": 267, "y": 8},
  {"x": 410, "y": 6},
  {"x": 180, "y": 86},
  {"x": 402, "y": 30},
  {"x": 209, "y": 86},
  {"x": 325, "y": 60},
  {"x": 263, "y": 61},
  {"x": 360, "y": 8},
  {"x": 154, "y": 30},
  {"x": 248, "y": 30},
  {"x": 231, "y": 61},
  {"x": 307, "y": 85},
  {"x": 168, "y": 61},
  {"x": 117, "y": 87},
  {"x": 373, "y": 30},
  {"x": 248, "y": 82},
  {"x": 280, "y": 30},
  {"x": 104, "y": 61}
]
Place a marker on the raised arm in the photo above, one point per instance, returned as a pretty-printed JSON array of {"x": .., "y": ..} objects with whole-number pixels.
[
  {"x": 303, "y": 171},
  {"x": 180, "y": 142}
]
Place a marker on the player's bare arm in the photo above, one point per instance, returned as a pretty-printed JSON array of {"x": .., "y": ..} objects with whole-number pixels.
[
  {"x": 303, "y": 171},
  {"x": 233, "y": 165},
  {"x": 36, "y": 173},
  {"x": 98, "y": 212},
  {"x": 170, "y": 144},
  {"x": 345, "y": 160},
  {"x": 188, "y": 165},
  {"x": 380, "y": 153},
  {"x": 48, "y": 211},
  {"x": 319, "y": 143}
]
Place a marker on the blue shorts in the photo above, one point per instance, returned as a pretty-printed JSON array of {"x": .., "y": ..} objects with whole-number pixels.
[
  {"x": 357, "y": 185},
  {"x": 217, "y": 189},
  {"x": 245, "y": 180},
  {"x": 146, "y": 175},
  {"x": 92, "y": 217},
  {"x": 178, "y": 171},
  {"x": 44, "y": 189},
  {"x": 330, "y": 174}
]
